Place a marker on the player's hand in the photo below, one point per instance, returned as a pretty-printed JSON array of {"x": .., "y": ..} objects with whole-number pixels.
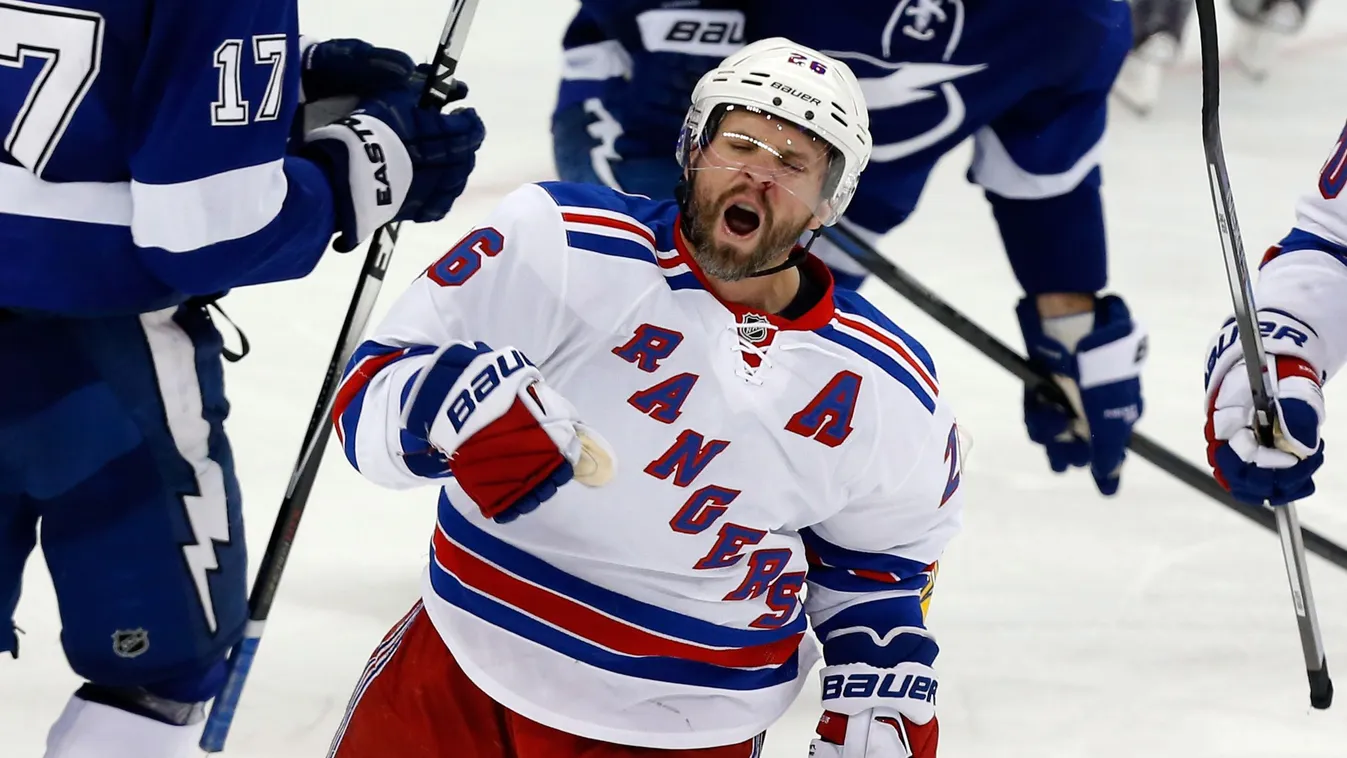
[
  {"x": 337, "y": 74},
  {"x": 1249, "y": 471},
  {"x": 876, "y": 733},
  {"x": 391, "y": 160},
  {"x": 873, "y": 712},
  {"x": 351, "y": 67},
  {"x": 1101, "y": 378},
  {"x": 509, "y": 439}
]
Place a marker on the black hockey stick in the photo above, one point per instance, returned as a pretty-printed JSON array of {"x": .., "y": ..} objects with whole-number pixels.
[
  {"x": 439, "y": 85},
  {"x": 986, "y": 343},
  {"x": 1255, "y": 360}
]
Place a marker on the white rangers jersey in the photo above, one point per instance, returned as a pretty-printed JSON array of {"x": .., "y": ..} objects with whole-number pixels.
[
  {"x": 1305, "y": 275},
  {"x": 756, "y": 456}
]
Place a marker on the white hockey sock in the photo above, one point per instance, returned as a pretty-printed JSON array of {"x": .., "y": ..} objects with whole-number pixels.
[{"x": 94, "y": 730}]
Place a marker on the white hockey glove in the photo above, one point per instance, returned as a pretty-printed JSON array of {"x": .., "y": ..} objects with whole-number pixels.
[
  {"x": 1251, "y": 472},
  {"x": 877, "y": 713}
]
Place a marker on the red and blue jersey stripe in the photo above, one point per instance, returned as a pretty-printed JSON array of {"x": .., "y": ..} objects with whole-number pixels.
[
  {"x": 1299, "y": 239},
  {"x": 524, "y": 595},
  {"x": 861, "y": 328},
  {"x": 882, "y": 620},
  {"x": 368, "y": 360},
  {"x": 603, "y": 221}
]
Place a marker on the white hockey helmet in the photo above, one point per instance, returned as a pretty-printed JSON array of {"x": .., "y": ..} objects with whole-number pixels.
[{"x": 786, "y": 80}]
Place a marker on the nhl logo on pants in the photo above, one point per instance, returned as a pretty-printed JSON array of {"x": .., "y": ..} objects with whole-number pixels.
[{"x": 130, "y": 643}]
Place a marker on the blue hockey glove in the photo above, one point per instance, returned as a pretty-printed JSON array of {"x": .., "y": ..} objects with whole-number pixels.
[
  {"x": 337, "y": 74},
  {"x": 393, "y": 161},
  {"x": 1101, "y": 375},
  {"x": 1249, "y": 471},
  {"x": 340, "y": 67}
]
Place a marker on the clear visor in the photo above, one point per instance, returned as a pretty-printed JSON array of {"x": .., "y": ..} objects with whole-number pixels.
[{"x": 771, "y": 153}]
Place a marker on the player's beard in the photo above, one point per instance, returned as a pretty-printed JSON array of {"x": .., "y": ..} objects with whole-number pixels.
[{"x": 726, "y": 262}]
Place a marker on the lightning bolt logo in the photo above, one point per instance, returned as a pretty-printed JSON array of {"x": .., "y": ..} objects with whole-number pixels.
[
  {"x": 913, "y": 83},
  {"x": 208, "y": 517},
  {"x": 606, "y": 130},
  {"x": 923, "y": 21},
  {"x": 174, "y": 355}
]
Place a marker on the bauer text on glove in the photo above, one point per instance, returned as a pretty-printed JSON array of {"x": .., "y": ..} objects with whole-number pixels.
[
  {"x": 509, "y": 439},
  {"x": 1251, "y": 472}
]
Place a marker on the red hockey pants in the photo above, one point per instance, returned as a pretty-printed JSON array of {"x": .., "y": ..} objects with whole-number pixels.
[{"x": 413, "y": 701}]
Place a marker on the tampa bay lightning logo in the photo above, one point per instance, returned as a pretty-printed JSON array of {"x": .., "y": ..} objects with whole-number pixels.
[
  {"x": 923, "y": 23},
  {"x": 938, "y": 21}
]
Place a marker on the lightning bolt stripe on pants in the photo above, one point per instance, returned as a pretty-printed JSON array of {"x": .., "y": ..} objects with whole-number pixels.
[{"x": 206, "y": 509}]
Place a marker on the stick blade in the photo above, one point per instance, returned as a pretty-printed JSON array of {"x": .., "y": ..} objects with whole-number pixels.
[{"x": 1321, "y": 687}]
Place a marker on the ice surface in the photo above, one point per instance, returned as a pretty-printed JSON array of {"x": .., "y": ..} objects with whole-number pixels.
[{"x": 1153, "y": 624}]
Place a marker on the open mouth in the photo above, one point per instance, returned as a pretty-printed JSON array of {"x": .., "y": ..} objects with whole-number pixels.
[{"x": 742, "y": 219}]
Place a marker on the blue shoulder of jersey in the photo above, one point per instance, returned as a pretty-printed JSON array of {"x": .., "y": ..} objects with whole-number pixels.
[{"x": 162, "y": 171}]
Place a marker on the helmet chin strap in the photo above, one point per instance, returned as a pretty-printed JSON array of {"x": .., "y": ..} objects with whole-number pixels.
[
  {"x": 682, "y": 194},
  {"x": 796, "y": 257}
]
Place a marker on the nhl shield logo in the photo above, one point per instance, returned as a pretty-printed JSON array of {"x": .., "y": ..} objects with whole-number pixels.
[
  {"x": 130, "y": 643},
  {"x": 753, "y": 327}
]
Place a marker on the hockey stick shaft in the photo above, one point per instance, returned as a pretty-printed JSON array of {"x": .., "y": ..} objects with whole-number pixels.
[
  {"x": 1255, "y": 360},
  {"x": 438, "y": 87},
  {"x": 1003, "y": 355}
]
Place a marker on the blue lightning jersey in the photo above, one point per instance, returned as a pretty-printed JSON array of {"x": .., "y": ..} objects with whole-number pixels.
[
  {"x": 1028, "y": 82},
  {"x": 144, "y": 157}
]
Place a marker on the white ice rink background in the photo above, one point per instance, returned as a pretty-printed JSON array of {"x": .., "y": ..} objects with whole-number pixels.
[{"x": 1154, "y": 624}]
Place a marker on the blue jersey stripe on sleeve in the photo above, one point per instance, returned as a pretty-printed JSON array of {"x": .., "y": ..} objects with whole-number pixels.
[
  {"x": 1299, "y": 239},
  {"x": 369, "y": 359},
  {"x": 846, "y": 580},
  {"x": 883, "y": 649},
  {"x": 822, "y": 551}
]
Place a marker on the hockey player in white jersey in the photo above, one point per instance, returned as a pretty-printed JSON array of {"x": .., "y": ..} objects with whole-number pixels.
[
  {"x": 1301, "y": 296},
  {"x": 654, "y": 423}
]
